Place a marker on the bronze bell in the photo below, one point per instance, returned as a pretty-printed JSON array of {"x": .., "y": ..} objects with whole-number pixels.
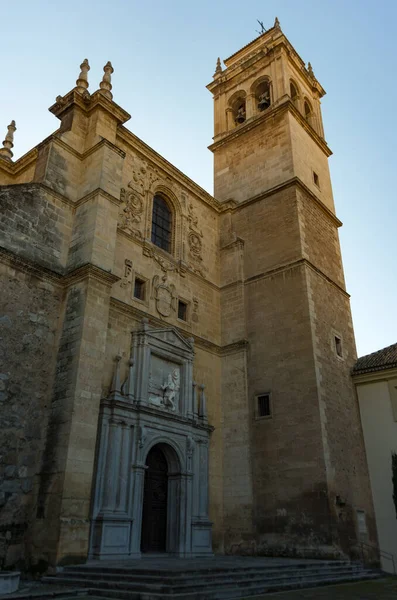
[
  {"x": 240, "y": 117},
  {"x": 264, "y": 101}
]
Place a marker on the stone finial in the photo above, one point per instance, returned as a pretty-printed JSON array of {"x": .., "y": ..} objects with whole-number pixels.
[
  {"x": 310, "y": 70},
  {"x": 8, "y": 143},
  {"x": 276, "y": 23},
  {"x": 105, "y": 85},
  {"x": 218, "y": 69},
  {"x": 82, "y": 82}
]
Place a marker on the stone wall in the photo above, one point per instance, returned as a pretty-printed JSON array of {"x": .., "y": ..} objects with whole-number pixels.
[
  {"x": 35, "y": 225},
  {"x": 30, "y": 308},
  {"x": 290, "y": 487},
  {"x": 346, "y": 464},
  {"x": 261, "y": 160}
]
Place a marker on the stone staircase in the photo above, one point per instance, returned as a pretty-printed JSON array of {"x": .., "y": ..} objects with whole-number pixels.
[{"x": 208, "y": 579}]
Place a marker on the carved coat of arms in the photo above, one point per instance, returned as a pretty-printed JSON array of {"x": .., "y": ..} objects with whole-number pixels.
[{"x": 164, "y": 295}]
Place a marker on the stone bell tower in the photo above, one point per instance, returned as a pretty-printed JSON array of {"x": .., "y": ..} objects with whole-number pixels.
[{"x": 302, "y": 477}]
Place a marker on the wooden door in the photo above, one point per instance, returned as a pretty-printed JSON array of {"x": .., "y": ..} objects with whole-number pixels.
[{"x": 154, "y": 519}]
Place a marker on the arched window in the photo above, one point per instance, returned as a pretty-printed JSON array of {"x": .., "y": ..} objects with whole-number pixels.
[
  {"x": 262, "y": 95},
  {"x": 293, "y": 92},
  {"x": 308, "y": 111},
  {"x": 239, "y": 113},
  {"x": 161, "y": 224}
]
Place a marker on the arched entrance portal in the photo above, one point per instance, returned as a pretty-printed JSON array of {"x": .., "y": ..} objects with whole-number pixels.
[{"x": 155, "y": 502}]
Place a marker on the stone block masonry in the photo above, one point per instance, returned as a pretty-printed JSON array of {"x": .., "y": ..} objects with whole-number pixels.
[{"x": 248, "y": 301}]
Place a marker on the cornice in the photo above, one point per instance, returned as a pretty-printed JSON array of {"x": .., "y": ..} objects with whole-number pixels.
[
  {"x": 284, "y": 105},
  {"x": 44, "y": 187},
  {"x": 294, "y": 181},
  {"x": 103, "y": 142},
  {"x": 30, "y": 267},
  {"x": 87, "y": 104},
  {"x": 20, "y": 165},
  {"x": 264, "y": 45},
  {"x": 300, "y": 262},
  {"x": 81, "y": 155},
  {"x": 90, "y": 271},
  {"x": 138, "y": 314},
  {"x": 126, "y": 406},
  {"x": 233, "y": 348},
  {"x": 71, "y": 203},
  {"x": 161, "y": 163},
  {"x": 96, "y": 192},
  {"x": 374, "y": 374},
  {"x": 238, "y": 241}
]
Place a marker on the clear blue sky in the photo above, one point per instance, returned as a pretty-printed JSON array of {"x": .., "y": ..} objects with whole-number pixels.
[{"x": 164, "y": 54}]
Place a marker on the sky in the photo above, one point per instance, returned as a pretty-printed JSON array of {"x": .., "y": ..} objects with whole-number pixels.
[{"x": 164, "y": 54}]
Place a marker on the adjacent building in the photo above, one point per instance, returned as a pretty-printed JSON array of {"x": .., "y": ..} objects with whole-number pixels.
[{"x": 375, "y": 376}]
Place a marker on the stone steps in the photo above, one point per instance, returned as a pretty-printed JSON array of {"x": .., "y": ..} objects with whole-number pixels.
[
  {"x": 198, "y": 580},
  {"x": 208, "y": 583},
  {"x": 210, "y": 568}
]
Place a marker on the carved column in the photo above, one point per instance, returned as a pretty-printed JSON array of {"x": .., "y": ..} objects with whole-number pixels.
[
  {"x": 111, "y": 468},
  {"x": 229, "y": 119},
  {"x": 203, "y": 475},
  {"x": 143, "y": 369},
  {"x": 250, "y": 107},
  {"x": 121, "y": 498},
  {"x": 195, "y": 400},
  {"x": 189, "y": 408},
  {"x": 138, "y": 476}
]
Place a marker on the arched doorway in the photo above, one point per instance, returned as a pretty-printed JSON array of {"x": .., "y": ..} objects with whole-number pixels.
[{"x": 155, "y": 502}]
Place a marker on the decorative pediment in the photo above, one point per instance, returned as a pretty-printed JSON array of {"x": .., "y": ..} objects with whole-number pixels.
[{"x": 171, "y": 336}]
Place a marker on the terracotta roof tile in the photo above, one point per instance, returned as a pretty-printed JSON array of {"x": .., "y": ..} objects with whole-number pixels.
[{"x": 377, "y": 361}]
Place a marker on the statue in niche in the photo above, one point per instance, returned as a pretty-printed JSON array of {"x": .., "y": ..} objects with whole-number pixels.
[{"x": 170, "y": 389}]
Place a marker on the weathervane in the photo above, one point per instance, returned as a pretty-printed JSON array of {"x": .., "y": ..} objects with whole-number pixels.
[{"x": 263, "y": 29}]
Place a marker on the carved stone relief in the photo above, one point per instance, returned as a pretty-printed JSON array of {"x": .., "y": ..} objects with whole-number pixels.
[
  {"x": 132, "y": 198},
  {"x": 194, "y": 237},
  {"x": 127, "y": 276},
  {"x": 164, "y": 383},
  {"x": 195, "y": 317},
  {"x": 164, "y": 296}
]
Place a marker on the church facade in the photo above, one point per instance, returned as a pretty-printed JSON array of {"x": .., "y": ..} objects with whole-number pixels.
[{"x": 176, "y": 365}]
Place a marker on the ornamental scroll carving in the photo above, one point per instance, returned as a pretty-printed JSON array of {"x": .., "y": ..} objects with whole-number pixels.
[
  {"x": 132, "y": 198},
  {"x": 194, "y": 237}
]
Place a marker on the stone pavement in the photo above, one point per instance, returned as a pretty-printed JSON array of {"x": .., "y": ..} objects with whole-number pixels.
[{"x": 380, "y": 589}]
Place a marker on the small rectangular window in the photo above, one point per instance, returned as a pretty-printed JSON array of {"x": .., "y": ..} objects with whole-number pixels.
[
  {"x": 316, "y": 179},
  {"x": 338, "y": 346},
  {"x": 182, "y": 310},
  {"x": 139, "y": 289},
  {"x": 263, "y": 405},
  {"x": 361, "y": 522}
]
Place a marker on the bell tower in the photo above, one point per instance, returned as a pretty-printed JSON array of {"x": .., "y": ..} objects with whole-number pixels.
[
  {"x": 294, "y": 455},
  {"x": 267, "y": 105}
]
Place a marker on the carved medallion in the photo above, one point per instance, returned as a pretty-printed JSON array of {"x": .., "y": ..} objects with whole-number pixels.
[{"x": 195, "y": 244}]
